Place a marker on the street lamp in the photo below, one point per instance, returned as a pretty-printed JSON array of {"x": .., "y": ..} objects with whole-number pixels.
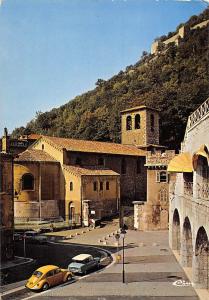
[{"x": 122, "y": 234}]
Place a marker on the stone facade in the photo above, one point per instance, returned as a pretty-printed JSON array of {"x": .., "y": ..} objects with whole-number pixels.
[
  {"x": 16, "y": 146},
  {"x": 68, "y": 179},
  {"x": 182, "y": 32},
  {"x": 189, "y": 195},
  {"x": 140, "y": 126},
  {"x": 153, "y": 215},
  {"x": 6, "y": 206},
  {"x": 72, "y": 178},
  {"x": 42, "y": 200}
]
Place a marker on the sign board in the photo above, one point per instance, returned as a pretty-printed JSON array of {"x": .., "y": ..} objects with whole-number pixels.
[{"x": 93, "y": 212}]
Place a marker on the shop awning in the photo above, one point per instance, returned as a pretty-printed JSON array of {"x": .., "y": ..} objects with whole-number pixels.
[
  {"x": 202, "y": 151},
  {"x": 181, "y": 163}
]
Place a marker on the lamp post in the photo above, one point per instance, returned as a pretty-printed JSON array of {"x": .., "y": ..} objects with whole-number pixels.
[{"x": 122, "y": 234}]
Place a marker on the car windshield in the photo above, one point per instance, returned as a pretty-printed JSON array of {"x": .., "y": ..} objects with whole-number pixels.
[
  {"x": 78, "y": 261},
  {"x": 37, "y": 274}
]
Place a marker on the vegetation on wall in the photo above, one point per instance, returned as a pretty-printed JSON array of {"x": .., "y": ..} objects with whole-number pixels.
[{"x": 175, "y": 81}]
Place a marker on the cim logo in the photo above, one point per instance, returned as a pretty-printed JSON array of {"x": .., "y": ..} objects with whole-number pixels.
[{"x": 181, "y": 282}]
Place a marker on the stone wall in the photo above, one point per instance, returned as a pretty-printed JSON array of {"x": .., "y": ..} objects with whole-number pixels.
[
  {"x": 133, "y": 185},
  {"x": 6, "y": 206},
  {"x": 145, "y": 134},
  {"x": 104, "y": 202},
  {"x": 46, "y": 190},
  {"x": 189, "y": 209}
]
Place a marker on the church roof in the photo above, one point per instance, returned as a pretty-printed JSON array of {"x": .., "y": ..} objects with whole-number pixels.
[
  {"x": 88, "y": 170},
  {"x": 94, "y": 146},
  {"x": 34, "y": 155}
]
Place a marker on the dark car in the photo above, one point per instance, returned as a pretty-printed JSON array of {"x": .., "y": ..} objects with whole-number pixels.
[{"x": 35, "y": 237}]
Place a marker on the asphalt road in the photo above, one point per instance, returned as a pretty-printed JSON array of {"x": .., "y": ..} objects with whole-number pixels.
[{"x": 50, "y": 253}]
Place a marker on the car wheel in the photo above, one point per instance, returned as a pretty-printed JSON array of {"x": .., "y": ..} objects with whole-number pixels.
[
  {"x": 69, "y": 277},
  {"x": 45, "y": 286}
]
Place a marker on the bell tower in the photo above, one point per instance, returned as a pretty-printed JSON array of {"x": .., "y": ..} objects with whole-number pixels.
[{"x": 140, "y": 126}]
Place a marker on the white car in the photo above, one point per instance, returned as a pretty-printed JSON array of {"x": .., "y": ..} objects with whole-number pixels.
[{"x": 83, "y": 263}]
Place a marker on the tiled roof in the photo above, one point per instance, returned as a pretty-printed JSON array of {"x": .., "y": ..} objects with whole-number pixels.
[
  {"x": 34, "y": 136},
  {"x": 141, "y": 107},
  {"x": 34, "y": 155},
  {"x": 87, "y": 170},
  {"x": 95, "y": 147}
]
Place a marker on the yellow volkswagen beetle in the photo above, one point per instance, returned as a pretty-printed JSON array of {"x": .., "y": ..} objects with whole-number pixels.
[{"x": 46, "y": 277}]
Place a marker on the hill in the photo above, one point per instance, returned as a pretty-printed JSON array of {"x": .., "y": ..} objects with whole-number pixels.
[{"x": 175, "y": 81}]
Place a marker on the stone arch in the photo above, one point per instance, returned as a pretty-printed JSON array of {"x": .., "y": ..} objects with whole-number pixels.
[
  {"x": 128, "y": 123},
  {"x": 186, "y": 245},
  {"x": 200, "y": 260},
  {"x": 176, "y": 231},
  {"x": 27, "y": 182},
  {"x": 137, "y": 121}
]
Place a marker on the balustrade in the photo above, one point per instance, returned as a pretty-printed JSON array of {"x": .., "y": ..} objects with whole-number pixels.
[
  {"x": 188, "y": 188},
  {"x": 203, "y": 190}
]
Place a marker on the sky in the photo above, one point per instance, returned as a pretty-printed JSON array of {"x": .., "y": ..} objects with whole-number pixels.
[{"x": 54, "y": 50}]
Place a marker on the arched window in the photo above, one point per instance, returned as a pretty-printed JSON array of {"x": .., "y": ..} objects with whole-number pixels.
[
  {"x": 101, "y": 161},
  {"x": 27, "y": 182},
  {"x": 107, "y": 185},
  {"x": 78, "y": 161},
  {"x": 152, "y": 122},
  {"x": 42, "y": 146},
  {"x": 71, "y": 186},
  {"x": 123, "y": 166},
  {"x": 95, "y": 186},
  {"x": 128, "y": 123},
  {"x": 101, "y": 186},
  {"x": 137, "y": 121}
]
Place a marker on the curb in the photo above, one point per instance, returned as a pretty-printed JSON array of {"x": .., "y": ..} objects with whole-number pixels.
[
  {"x": 6, "y": 295},
  {"x": 30, "y": 260},
  {"x": 10, "y": 293}
]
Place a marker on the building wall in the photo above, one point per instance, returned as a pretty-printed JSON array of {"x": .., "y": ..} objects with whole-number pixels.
[
  {"x": 133, "y": 185},
  {"x": 44, "y": 200},
  {"x": 73, "y": 196},
  {"x": 153, "y": 215},
  {"x": 103, "y": 202},
  {"x": 144, "y": 135},
  {"x": 6, "y": 206},
  {"x": 189, "y": 208},
  {"x": 56, "y": 153},
  {"x": 201, "y": 25}
]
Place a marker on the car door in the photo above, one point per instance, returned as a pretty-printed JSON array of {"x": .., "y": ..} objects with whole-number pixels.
[
  {"x": 90, "y": 263},
  {"x": 58, "y": 276},
  {"x": 50, "y": 278}
]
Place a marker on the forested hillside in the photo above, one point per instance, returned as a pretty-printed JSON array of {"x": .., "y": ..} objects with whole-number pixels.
[{"x": 176, "y": 81}]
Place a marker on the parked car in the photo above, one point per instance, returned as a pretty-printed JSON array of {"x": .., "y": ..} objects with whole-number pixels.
[
  {"x": 35, "y": 237},
  {"x": 46, "y": 277},
  {"x": 18, "y": 237},
  {"x": 83, "y": 263}
]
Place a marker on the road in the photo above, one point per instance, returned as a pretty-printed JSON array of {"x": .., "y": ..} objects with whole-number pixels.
[
  {"x": 151, "y": 273},
  {"x": 50, "y": 253}
]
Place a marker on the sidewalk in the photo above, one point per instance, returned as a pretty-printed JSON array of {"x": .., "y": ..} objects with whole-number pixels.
[
  {"x": 151, "y": 270},
  {"x": 15, "y": 262}
]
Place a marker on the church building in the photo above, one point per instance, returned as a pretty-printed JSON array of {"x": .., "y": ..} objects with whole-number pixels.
[{"x": 69, "y": 178}]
